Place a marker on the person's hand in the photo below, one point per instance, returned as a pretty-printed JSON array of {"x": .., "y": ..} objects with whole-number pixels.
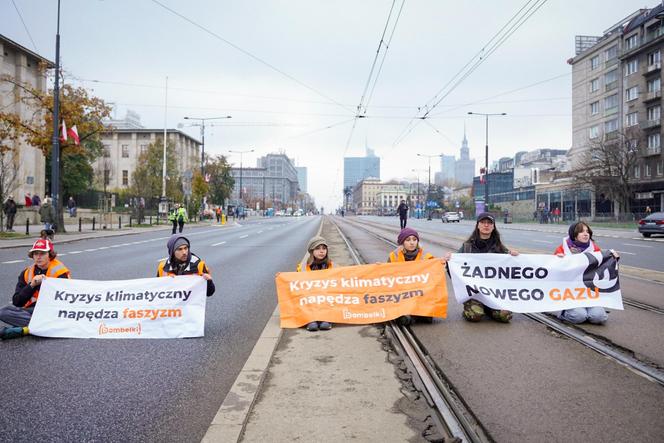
[
  {"x": 615, "y": 254},
  {"x": 514, "y": 252},
  {"x": 447, "y": 257},
  {"x": 36, "y": 280},
  {"x": 207, "y": 277}
]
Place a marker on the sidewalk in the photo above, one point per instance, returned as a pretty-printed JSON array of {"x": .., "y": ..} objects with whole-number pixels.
[
  {"x": 561, "y": 228},
  {"x": 335, "y": 385}
]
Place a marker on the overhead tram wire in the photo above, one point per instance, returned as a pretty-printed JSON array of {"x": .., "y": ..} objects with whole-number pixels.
[
  {"x": 489, "y": 48},
  {"x": 249, "y": 54},
  {"x": 25, "y": 26}
]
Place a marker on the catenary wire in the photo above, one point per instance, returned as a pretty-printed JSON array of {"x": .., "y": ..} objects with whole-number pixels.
[{"x": 25, "y": 26}]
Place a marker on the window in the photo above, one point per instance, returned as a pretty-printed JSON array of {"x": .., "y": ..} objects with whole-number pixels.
[
  {"x": 654, "y": 113},
  {"x": 632, "y": 93},
  {"x": 611, "y": 53},
  {"x": 611, "y": 102},
  {"x": 107, "y": 176},
  {"x": 594, "y": 85},
  {"x": 611, "y": 125},
  {"x": 660, "y": 168},
  {"x": 125, "y": 177},
  {"x": 593, "y": 132},
  {"x": 125, "y": 151},
  {"x": 637, "y": 171},
  {"x": 653, "y": 141},
  {"x": 144, "y": 149},
  {"x": 610, "y": 76},
  {"x": 594, "y": 108},
  {"x": 648, "y": 171},
  {"x": 632, "y": 119},
  {"x": 632, "y": 66},
  {"x": 631, "y": 42},
  {"x": 654, "y": 58},
  {"x": 655, "y": 85},
  {"x": 594, "y": 62},
  {"x": 107, "y": 151}
]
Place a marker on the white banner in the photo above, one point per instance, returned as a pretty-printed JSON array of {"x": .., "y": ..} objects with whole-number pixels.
[
  {"x": 172, "y": 307},
  {"x": 537, "y": 283}
]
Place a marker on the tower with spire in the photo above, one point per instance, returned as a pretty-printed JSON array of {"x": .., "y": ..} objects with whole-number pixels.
[{"x": 464, "y": 170}]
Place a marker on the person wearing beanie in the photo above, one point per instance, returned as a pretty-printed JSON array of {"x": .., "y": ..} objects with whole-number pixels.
[
  {"x": 485, "y": 239},
  {"x": 580, "y": 239},
  {"x": 181, "y": 261},
  {"x": 318, "y": 260},
  {"x": 26, "y": 294},
  {"x": 408, "y": 250}
]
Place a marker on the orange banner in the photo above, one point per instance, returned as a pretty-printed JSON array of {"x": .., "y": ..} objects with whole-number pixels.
[{"x": 362, "y": 294}]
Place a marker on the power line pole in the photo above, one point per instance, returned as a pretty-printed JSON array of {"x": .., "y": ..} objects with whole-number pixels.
[{"x": 55, "y": 151}]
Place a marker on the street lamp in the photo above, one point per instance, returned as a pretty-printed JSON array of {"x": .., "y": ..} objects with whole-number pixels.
[
  {"x": 202, "y": 125},
  {"x": 486, "y": 155},
  {"x": 419, "y": 195},
  {"x": 55, "y": 140},
  {"x": 241, "y": 152},
  {"x": 429, "y": 186}
]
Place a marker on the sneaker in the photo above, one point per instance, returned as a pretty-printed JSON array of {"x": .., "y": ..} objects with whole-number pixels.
[
  {"x": 324, "y": 326},
  {"x": 405, "y": 320},
  {"x": 313, "y": 326},
  {"x": 13, "y": 332}
]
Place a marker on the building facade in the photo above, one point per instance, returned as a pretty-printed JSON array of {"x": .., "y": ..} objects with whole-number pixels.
[
  {"x": 359, "y": 168},
  {"x": 273, "y": 183},
  {"x": 365, "y": 196},
  {"x": 23, "y": 65},
  {"x": 122, "y": 149},
  {"x": 302, "y": 178},
  {"x": 464, "y": 168}
]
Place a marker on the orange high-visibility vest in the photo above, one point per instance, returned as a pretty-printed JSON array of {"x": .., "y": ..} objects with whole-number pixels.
[
  {"x": 55, "y": 269},
  {"x": 398, "y": 255},
  {"x": 199, "y": 266}
]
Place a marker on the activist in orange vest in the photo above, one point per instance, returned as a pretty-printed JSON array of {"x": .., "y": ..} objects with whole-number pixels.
[
  {"x": 485, "y": 239},
  {"x": 26, "y": 294},
  {"x": 181, "y": 261},
  {"x": 580, "y": 240},
  {"x": 409, "y": 250},
  {"x": 318, "y": 260}
]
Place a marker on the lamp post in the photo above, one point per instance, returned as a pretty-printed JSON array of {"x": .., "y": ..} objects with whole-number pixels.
[
  {"x": 429, "y": 157},
  {"x": 202, "y": 121},
  {"x": 55, "y": 151},
  {"x": 241, "y": 153},
  {"x": 419, "y": 194},
  {"x": 486, "y": 156}
]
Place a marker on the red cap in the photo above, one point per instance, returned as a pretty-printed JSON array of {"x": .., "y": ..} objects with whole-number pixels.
[{"x": 42, "y": 244}]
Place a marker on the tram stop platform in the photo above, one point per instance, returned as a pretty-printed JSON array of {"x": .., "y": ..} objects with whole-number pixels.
[{"x": 338, "y": 385}]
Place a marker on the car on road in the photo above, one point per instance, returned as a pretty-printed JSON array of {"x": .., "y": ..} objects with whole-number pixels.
[
  {"x": 450, "y": 217},
  {"x": 652, "y": 224}
]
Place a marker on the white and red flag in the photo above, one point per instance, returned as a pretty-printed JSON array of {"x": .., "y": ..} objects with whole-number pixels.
[
  {"x": 73, "y": 133},
  {"x": 63, "y": 131}
]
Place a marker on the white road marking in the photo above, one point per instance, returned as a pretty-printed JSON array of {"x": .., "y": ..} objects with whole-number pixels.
[
  {"x": 624, "y": 252},
  {"x": 90, "y": 250},
  {"x": 220, "y": 243},
  {"x": 103, "y": 247},
  {"x": 75, "y": 252},
  {"x": 638, "y": 246},
  {"x": 259, "y": 232},
  {"x": 244, "y": 236},
  {"x": 13, "y": 261},
  {"x": 542, "y": 241}
]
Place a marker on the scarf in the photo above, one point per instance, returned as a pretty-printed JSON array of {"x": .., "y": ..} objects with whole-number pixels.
[
  {"x": 410, "y": 255},
  {"x": 484, "y": 246},
  {"x": 318, "y": 265}
]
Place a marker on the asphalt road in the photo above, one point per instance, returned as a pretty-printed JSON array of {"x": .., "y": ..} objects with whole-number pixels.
[
  {"x": 146, "y": 390},
  {"x": 634, "y": 249}
]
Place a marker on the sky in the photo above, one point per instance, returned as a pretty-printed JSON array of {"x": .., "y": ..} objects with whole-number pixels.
[{"x": 291, "y": 73}]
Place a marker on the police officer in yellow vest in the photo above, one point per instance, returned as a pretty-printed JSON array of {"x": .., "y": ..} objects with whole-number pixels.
[
  {"x": 181, "y": 261},
  {"x": 45, "y": 264},
  {"x": 181, "y": 216}
]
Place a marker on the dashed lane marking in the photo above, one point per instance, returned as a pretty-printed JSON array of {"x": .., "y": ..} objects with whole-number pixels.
[
  {"x": 75, "y": 252},
  {"x": 220, "y": 243},
  {"x": 625, "y": 252},
  {"x": 259, "y": 232},
  {"x": 244, "y": 236},
  {"x": 638, "y": 246},
  {"x": 542, "y": 241},
  {"x": 12, "y": 261},
  {"x": 90, "y": 250}
]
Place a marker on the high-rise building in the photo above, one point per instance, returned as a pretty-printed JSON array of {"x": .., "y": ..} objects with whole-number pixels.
[
  {"x": 447, "y": 173},
  {"x": 464, "y": 168},
  {"x": 359, "y": 168},
  {"x": 302, "y": 178}
]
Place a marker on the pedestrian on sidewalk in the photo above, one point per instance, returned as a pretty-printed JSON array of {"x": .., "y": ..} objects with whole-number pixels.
[
  {"x": 47, "y": 214},
  {"x": 26, "y": 294},
  {"x": 485, "y": 239},
  {"x": 36, "y": 201},
  {"x": 71, "y": 206},
  {"x": 10, "y": 208},
  {"x": 217, "y": 213},
  {"x": 181, "y": 261},
  {"x": 318, "y": 260},
  {"x": 182, "y": 217},
  {"x": 28, "y": 200},
  {"x": 579, "y": 240},
  {"x": 402, "y": 209},
  {"x": 409, "y": 250}
]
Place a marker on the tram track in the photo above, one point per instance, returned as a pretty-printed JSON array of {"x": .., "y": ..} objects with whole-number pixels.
[
  {"x": 453, "y": 418},
  {"x": 597, "y": 343}
]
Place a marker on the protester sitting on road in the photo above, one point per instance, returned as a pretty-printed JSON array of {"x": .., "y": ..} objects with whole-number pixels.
[
  {"x": 580, "y": 239},
  {"x": 19, "y": 313},
  {"x": 485, "y": 239},
  {"x": 181, "y": 261},
  {"x": 409, "y": 249},
  {"x": 318, "y": 260}
]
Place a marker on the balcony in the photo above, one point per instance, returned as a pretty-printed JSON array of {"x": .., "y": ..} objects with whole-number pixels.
[
  {"x": 655, "y": 67},
  {"x": 609, "y": 63},
  {"x": 611, "y": 111},
  {"x": 652, "y": 151},
  {"x": 611, "y": 86},
  {"x": 649, "y": 124},
  {"x": 652, "y": 95}
]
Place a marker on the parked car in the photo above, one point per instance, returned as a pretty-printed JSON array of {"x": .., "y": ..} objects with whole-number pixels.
[
  {"x": 450, "y": 217},
  {"x": 652, "y": 224}
]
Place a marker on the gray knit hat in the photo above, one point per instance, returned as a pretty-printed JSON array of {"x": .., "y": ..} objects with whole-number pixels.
[{"x": 315, "y": 242}]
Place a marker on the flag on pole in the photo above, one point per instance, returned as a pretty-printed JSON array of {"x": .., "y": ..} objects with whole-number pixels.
[
  {"x": 63, "y": 131},
  {"x": 73, "y": 133}
]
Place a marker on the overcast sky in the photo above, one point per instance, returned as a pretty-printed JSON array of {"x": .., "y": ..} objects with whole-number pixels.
[{"x": 311, "y": 61}]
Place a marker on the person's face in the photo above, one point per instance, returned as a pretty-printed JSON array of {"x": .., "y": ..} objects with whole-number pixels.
[
  {"x": 181, "y": 253},
  {"x": 41, "y": 259},
  {"x": 410, "y": 243},
  {"x": 320, "y": 252},
  {"x": 485, "y": 227},
  {"x": 583, "y": 236}
]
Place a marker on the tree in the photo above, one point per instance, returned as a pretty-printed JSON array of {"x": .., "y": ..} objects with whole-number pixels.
[
  {"x": 147, "y": 177},
  {"x": 199, "y": 189},
  {"x": 221, "y": 181},
  {"x": 77, "y": 107},
  {"x": 608, "y": 164},
  {"x": 9, "y": 136}
]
